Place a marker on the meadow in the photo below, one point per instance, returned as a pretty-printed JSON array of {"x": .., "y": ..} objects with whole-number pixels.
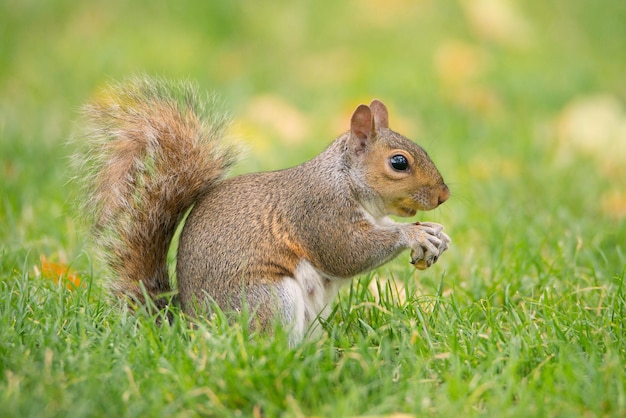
[{"x": 522, "y": 106}]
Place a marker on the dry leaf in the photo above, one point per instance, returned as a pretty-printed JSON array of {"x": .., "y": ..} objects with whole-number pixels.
[
  {"x": 458, "y": 62},
  {"x": 275, "y": 113},
  {"x": 398, "y": 292},
  {"x": 460, "y": 66},
  {"x": 56, "y": 272},
  {"x": 594, "y": 126},
  {"x": 614, "y": 204},
  {"x": 497, "y": 20}
]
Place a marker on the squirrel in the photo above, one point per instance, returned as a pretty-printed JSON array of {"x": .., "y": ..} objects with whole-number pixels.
[{"x": 281, "y": 243}]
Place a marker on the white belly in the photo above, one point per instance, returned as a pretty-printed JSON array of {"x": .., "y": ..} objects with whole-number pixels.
[{"x": 307, "y": 297}]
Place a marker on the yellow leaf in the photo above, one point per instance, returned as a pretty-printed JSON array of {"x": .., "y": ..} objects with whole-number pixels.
[
  {"x": 497, "y": 20},
  {"x": 56, "y": 272}
]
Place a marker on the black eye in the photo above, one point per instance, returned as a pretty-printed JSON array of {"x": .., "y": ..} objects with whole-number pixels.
[{"x": 399, "y": 162}]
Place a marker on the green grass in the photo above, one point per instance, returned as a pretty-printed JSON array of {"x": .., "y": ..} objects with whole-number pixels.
[{"x": 525, "y": 314}]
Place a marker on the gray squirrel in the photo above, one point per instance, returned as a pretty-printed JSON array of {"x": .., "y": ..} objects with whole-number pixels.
[{"x": 282, "y": 242}]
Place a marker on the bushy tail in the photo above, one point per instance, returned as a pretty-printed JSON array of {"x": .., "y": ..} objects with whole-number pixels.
[{"x": 152, "y": 149}]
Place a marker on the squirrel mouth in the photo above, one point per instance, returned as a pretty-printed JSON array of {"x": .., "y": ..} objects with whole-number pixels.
[{"x": 408, "y": 212}]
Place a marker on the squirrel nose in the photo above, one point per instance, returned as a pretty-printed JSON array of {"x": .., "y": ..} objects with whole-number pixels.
[{"x": 444, "y": 194}]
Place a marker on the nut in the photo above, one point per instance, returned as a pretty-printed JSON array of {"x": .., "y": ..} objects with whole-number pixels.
[{"x": 421, "y": 264}]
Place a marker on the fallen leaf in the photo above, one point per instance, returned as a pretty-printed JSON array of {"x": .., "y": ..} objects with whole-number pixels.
[
  {"x": 593, "y": 126},
  {"x": 393, "y": 288},
  {"x": 614, "y": 204},
  {"x": 497, "y": 20},
  {"x": 279, "y": 116},
  {"x": 461, "y": 68},
  {"x": 57, "y": 272},
  {"x": 458, "y": 62}
]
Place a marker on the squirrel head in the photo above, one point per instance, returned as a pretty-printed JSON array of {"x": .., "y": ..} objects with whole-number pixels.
[{"x": 396, "y": 169}]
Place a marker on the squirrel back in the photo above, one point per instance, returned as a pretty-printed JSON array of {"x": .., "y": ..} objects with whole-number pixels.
[
  {"x": 281, "y": 242},
  {"x": 152, "y": 150}
]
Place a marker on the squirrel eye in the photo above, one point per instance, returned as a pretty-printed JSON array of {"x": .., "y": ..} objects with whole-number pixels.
[{"x": 399, "y": 162}]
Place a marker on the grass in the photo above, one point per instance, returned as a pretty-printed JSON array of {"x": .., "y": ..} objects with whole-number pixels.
[
  {"x": 524, "y": 316},
  {"x": 551, "y": 354}
]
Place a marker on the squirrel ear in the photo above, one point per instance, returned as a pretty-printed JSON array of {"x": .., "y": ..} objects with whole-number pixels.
[
  {"x": 362, "y": 123},
  {"x": 381, "y": 116}
]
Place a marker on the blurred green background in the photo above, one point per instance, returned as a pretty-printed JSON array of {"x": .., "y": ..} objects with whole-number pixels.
[{"x": 520, "y": 104}]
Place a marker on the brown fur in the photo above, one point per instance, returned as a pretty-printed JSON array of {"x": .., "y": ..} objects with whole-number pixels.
[{"x": 153, "y": 155}]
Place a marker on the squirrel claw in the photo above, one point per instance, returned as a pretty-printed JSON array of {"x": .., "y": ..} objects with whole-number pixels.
[{"x": 425, "y": 255}]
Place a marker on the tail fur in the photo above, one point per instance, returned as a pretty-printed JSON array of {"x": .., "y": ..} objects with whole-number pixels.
[{"x": 153, "y": 148}]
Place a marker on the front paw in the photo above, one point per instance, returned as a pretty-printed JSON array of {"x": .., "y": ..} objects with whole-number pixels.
[{"x": 431, "y": 243}]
